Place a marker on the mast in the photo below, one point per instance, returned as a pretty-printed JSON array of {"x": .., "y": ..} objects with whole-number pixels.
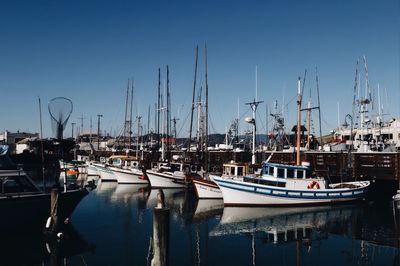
[
  {"x": 194, "y": 89},
  {"x": 138, "y": 134},
  {"x": 158, "y": 109},
  {"x": 148, "y": 124},
  {"x": 206, "y": 137},
  {"x": 126, "y": 114},
  {"x": 168, "y": 111},
  {"x": 319, "y": 107},
  {"x": 298, "y": 122},
  {"x": 41, "y": 144},
  {"x": 309, "y": 124},
  {"x": 252, "y": 121},
  {"x": 130, "y": 119}
]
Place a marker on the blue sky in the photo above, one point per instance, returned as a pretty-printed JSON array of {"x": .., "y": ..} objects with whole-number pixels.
[{"x": 87, "y": 50}]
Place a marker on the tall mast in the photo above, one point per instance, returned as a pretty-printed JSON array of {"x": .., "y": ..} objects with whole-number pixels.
[
  {"x": 148, "y": 121},
  {"x": 158, "y": 109},
  {"x": 41, "y": 144},
  {"x": 319, "y": 107},
  {"x": 168, "y": 110},
  {"x": 206, "y": 138},
  {"x": 126, "y": 115},
  {"x": 131, "y": 118},
  {"x": 194, "y": 90},
  {"x": 309, "y": 124},
  {"x": 298, "y": 122}
]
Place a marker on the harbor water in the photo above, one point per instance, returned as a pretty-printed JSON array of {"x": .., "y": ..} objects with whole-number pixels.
[{"x": 113, "y": 225}]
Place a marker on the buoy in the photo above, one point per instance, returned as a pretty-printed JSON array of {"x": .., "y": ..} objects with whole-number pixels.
[
  {"x": 48, "y": 223},
  {"x": 60, "y": 235}
]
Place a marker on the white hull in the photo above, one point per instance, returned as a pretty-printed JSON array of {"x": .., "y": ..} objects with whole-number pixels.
[
  {"x": 92, "y": 170},
  {"x": 240, "y": 193},
  {"x": 106, "y": 174},
  {"x": 206, "y": 189},
  {"x": 165, "y": 180},
  {"x": 127, "y": 176}
]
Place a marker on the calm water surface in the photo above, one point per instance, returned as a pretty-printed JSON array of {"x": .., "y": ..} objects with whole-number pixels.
[{"x": 113, "y": 225}]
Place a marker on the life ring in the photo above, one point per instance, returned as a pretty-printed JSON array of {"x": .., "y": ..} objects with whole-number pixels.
[
  {"x": 313, "y": 185},
  {"x": 72, "y": 172}
]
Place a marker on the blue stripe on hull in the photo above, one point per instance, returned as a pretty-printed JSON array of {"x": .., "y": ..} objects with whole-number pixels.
[{"x": 295, "y": 194}]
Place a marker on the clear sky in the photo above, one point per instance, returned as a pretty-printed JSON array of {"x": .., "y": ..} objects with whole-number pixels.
[{"x": 87, "y": 50}]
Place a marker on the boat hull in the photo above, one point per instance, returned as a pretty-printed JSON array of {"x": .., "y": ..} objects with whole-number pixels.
[
  {"x": 30, "y": 212},
  {"x": 127, "y": 176},
  {"x": 106, "y": 174},
  {"x": 206, "y": 189},
  {"x": 165, "y": 180},
  {"x": 239, "y": 193}
]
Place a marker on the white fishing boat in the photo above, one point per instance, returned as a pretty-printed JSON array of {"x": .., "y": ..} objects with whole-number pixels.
[
  {"x": 287, "y": 185},
  {"x": 173, "y": 175},
  {"x": 127, "y": 170},
  {"x": 92, "y": 169},
  {"x": 105, "y": 173},
  {"x": 282, "y": 184}
]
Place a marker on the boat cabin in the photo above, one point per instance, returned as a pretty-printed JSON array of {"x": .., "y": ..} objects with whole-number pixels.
[
  {"x": 124, "y": 161},
  {"x": 235, "y": 169},
  {"x": 285, "y": 171}
]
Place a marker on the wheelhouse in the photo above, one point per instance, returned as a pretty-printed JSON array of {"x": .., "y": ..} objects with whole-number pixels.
[{"x": 285, "y": 171}]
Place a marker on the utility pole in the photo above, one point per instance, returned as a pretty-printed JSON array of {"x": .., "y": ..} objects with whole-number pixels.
[{"x": 98, "y": 131}]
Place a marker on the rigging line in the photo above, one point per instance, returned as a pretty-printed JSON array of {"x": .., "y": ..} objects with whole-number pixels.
[{"x": 183, "y": 123}]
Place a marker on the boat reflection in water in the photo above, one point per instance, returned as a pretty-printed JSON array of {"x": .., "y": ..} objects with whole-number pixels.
[
  {"x": 358, "y": 228},
  {"x": 280, "y": 224},
  {"x": 206, "y": 208}
]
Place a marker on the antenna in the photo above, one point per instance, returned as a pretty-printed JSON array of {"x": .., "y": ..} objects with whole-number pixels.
[{"x": 256, "y": 85}]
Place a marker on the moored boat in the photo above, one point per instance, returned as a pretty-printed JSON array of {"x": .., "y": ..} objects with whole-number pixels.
[
  {"x": 127, "y": 170},
  {"x": 173, "y": 175},
  {"x": 287, "y": 185},
  {"x": 24, "y": 205}
]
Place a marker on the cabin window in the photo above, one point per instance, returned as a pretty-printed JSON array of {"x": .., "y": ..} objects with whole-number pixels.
[
  {"x": 264, "y": 182},
  {"x": 232, "y": 171},
  {"x": 240, "y": 171},
  {"x": 289, "y": 173},
  {"x": 300, "y": 174},
  {"x": 227, "y": 170},
  {"x": 281, "y": 172},
  {"x": 387, "y": 136},
  {"x": 268, "y": 170}
]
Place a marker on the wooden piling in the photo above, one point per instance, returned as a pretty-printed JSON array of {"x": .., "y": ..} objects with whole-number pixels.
[
  {"x": 54, "y": 209},
  {"x": 160, "y": 232}
]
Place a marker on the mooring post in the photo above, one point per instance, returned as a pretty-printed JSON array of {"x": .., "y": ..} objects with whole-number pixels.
[
  {"x": 54, "y": 210},
  {"x": 160, "y": 232}
]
